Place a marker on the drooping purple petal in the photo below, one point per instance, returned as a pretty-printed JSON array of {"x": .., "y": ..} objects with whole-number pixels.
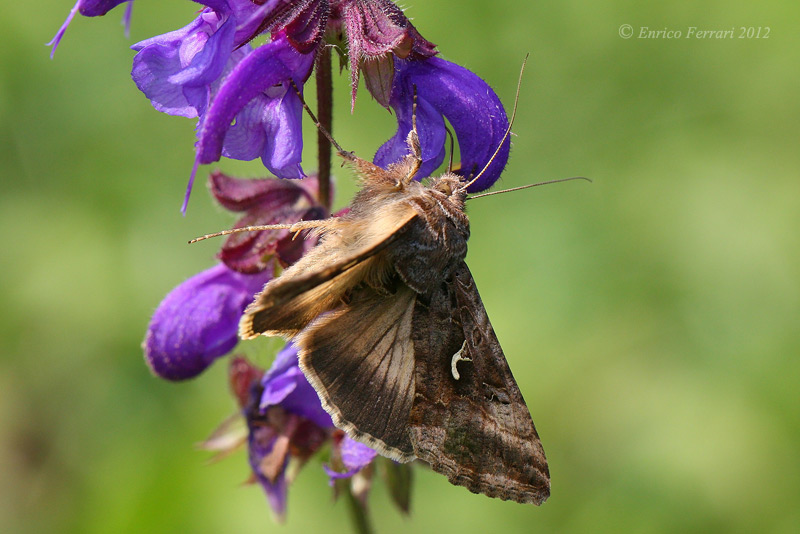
[
  {"x": 262, "y": 443},
  {"x": 285, "y": 385},
  {"x": 354, "y": 456},
  {"x": 471, "y": 106},
  {"x": 56, "y": 40},
  {"x": 272, "y": 64},
  {"x": 197, "y": 321},
  {"x": 126, "y": 19},
  {"x": 88, "y": 8}
]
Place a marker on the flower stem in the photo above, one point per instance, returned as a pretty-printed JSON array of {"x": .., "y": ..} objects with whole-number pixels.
[
  {"x": 325, "y": 117},
  {"x": 358, "y": 514}
]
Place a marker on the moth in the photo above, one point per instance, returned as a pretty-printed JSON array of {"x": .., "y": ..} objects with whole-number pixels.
[{"x": 394, "y": 337}]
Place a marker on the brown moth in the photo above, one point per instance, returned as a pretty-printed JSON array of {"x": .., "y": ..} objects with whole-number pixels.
[{"x": 393, "y": 336}]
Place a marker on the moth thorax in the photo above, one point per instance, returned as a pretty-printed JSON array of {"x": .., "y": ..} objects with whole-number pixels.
[{"x": 436, "y": 241}]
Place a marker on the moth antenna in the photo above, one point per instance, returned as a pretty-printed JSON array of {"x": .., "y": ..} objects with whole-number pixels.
[
  {"x": 349, "y": 156},
  {"x": 296, "y": 227},
  {"x": 413, "y": 141},
  {"x": 530, "y": 185},
  {"x": 508, "y": 130},
  {"x": 452, "y": 148}
]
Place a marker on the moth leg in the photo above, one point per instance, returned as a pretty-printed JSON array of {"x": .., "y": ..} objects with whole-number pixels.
[
  {"x": 322, "y": 224},
  {"x": 349, "y": 156},
  {"x": 413, "y": 144}
]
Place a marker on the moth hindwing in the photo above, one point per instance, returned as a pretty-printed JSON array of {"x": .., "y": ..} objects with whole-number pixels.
[{"x": 393, "y": 336}]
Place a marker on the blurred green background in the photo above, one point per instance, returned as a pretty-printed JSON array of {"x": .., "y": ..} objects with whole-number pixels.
[{"x": 651, "y": 318}]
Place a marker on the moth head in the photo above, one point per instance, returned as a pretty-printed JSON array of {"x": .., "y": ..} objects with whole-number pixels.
[{"x": 451, "y": 185}]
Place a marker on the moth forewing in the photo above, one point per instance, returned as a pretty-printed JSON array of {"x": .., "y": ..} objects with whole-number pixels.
[{"x": 349, "y": 253}]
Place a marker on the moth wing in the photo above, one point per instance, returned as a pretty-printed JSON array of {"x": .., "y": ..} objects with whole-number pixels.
[
  {"x": 319, "y": 280},
  {"x": 360, "y": 360},
  {"x": 469, "y": 420}
]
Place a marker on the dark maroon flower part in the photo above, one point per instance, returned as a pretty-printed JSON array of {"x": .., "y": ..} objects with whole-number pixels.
[{"x": 266, "y": 201}]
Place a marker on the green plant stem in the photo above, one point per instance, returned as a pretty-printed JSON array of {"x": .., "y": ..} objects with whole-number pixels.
[
  {"x": 325, "y": 117},
  {"x": 358, "y": 514}
]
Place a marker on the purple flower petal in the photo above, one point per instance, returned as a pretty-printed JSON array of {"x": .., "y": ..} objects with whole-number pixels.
[
  {"x": 285, "y": 385},
  {"x": 96, "y": 8},
  {"x": 270, "y": 127},
  {"x": 432, "y": 135},
  {"x": 262, "y": 442},
  {"x": 56, "y": 40},
  {"x": 471, "y": 106},
  {"x": 277, "y": 112},
  {"x": 176, "y": 70},
  {"x": 197, "y": 321},
  {"x": 180, "y": 70},
  {"x": 126, "y": 19},
  {"x": 355, "y": 455}
]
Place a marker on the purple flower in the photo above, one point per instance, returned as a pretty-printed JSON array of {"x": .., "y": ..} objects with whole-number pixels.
[
  {"x": 448, "y": 90},
  {"x": 197, "y": 71},
  {"x": 203, "y": 70},
  {"x": 90, "y": 8},
  {"x": 244, "y": 98},
  {"x": 284, "y": 418},
  {"x": 197, "y": 322}
]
